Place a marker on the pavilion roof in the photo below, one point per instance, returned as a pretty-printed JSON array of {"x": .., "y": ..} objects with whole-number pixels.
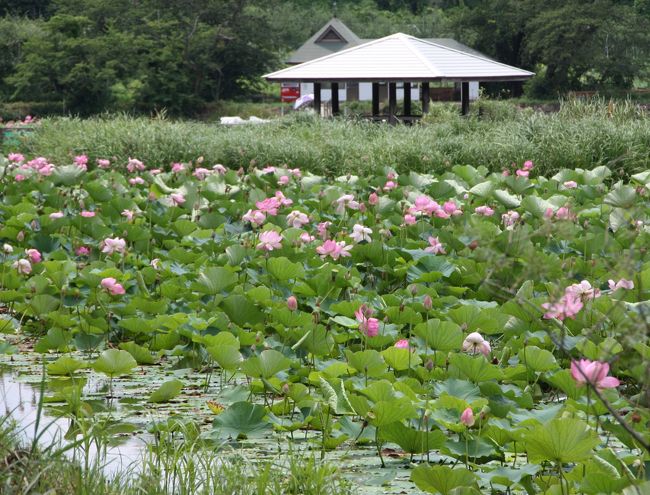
[{"x": 400, "y": 57}]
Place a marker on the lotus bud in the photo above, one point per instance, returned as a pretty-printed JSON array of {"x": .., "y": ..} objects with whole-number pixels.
[
  {"x": 467, "y": 418},
  {"x": 428, "y": 302},
  {"x": 292, "y": 303},
  {"x": 429, "y": 364},
  {"x": 21, "y": 236},
  {"x": 7, "y": 249},
  {"x": 285, "y": 389},
  {"x": 414, "y": 289}
]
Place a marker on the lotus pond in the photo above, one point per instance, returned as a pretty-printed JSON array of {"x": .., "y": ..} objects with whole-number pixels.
[{"x": 461, "y": 333}]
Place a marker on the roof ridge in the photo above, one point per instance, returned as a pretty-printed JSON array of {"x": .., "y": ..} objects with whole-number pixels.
[
  {"x": 406, "y": 39},
  {"x": 464, "y": 53}
]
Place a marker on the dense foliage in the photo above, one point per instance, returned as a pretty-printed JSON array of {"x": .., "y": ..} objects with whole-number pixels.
[
  {"x": 467, "y": 319},
  {"x": 95, "y": 55}
]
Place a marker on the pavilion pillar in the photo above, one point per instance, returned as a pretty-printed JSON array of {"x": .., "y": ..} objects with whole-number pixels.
[
  {"x": 392, "y": 102},
  {"x": 426, "y": 97},
  {"x": 317, "y": 98},
  {"x": 335, "y": 99},
  {"x": 464, "y": 98},
  {"x": 407, "y": 99},
  {"x": 375, "y": 99}
]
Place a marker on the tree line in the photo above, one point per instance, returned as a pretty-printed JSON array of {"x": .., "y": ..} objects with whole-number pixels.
[{"x": 90, "y": 56}]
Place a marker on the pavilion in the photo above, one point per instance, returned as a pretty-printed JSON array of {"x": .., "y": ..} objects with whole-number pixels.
[{"x": 398, "y": 58}]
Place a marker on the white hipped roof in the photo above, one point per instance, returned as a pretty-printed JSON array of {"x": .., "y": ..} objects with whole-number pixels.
[{"x": 400, "y": 57}]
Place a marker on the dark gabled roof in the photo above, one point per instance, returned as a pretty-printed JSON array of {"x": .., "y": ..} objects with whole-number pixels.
[{"x": 324, "y": 42}]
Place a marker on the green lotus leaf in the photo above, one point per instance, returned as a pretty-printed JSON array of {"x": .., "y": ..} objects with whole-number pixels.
[
  {"x": 442, "y": 479},
  {"x": 65, "y": 365},
  {"x": 411, "y": 440},
  {"x": 114, "y": 362},
  {"x": 561, "y": 440},
  {"x": 166, "y": 392},
  {"x": 266, "y": 365},
  {"x": 241, "y": 420}
]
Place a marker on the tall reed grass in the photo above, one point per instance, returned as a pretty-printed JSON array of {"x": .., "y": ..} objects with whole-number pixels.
[{"x": 581, "y": 135}]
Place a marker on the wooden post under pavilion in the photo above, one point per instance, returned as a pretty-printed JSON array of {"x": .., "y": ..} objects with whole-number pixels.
[
  {"x": 392, "y": 102},
  {"x": 407, "y": 99},
  {"x": 425, "y": 94},
  {"x": 335, "y": 99},
  {"x": 375, "y": 99},
  {"x": 464, "y": 98},
  {"x": 317, "y": 98}
]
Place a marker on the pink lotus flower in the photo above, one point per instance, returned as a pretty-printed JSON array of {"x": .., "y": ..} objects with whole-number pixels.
[
  {"x": 373, "y": 199},
  {"x": 23, "y": 266},
  {"x": 333, "y": 249},
  {"x": 451, "y": 208},
  {"x": 583, "y": 290},
  {"x": 426, "y": 205},
  {"x": 46, "y": 170},
  {"x": 136, "y": 181},
  {"x": 115, "y": 245},
  {"x": 563, "y": 213},
  {"x": 282, "y": 199},
  {"x": 297, "y": 219},
  {"x": 153, "y": 171},
  {"x": 505, "y": 172},
  {"x": 321, "y": 228},
  {"x": 15, "y": 157},
  {"x": 390, "y": 185},
  {"x": 522, "y": 173},
  {"x": 361, "y": 233},
  {"x": 82, "y": 251},
  {"x": 306, "y": 238},
  {"x": 269, "y": 240},
  {"x": 391, "y": 176},
  {"x": 509, "y": 219},
  {"x": 255, "y": 217},
  {"x": 467, "y": 417},
  {"x": 570, "y": 184},
  {"x": 20, "y": 177},
  {"x": 87, "y": 214},
  {"x": 409, "y": 219},
  {"x": 81, "y": 161},
  {"x": 129, "y": 214},
  {"x": 268, "y": 170},
  {"x": 292, "y": 303},
  {"x": 593, "y": 372},
  {"x": 103, "y": 163},
  {"x": 367, "y": 325},
  {"x": 567, "y": 307},
  {"x": 485, "y": 210},
  {"x": 134, "y": 164},
  {"x": 528, "y": 165},
  {"x": 201, "y": 173},
  {"x": 34, "y": 255},
  {"x": 112, "y": 287},
  {"x": 283, "y": 180},
  {"x": 435, "y": 246},
  {"x": 402, "y": 344},
  {"x": 295, "y": 172},
  {"x": 346, "y": 201},
  {"x": 621, "y": 284},
  {"x": 475, "y": 343},
  {"x": 177, "y": 199},
  {"x": 220, "y": 169},
  {"x": 269, "y": 206},
  {"x": 155, "y": 263}
]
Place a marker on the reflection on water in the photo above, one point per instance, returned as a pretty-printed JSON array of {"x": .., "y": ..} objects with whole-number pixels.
[{"x": 19, "y": 401}]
